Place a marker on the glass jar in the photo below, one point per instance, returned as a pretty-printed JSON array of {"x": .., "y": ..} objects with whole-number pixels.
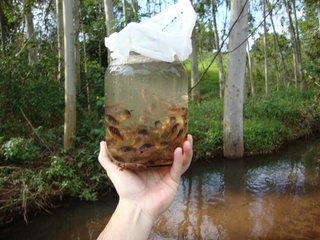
[{"x": 146, "y": 107}]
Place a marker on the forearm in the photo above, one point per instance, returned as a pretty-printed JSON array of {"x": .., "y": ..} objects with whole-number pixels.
[{"x": 127, "y": 221}]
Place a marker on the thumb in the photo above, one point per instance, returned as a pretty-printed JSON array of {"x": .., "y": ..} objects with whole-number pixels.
[
  {"x": 103, "y": 156},
  {"x": 176, "y": 169}
]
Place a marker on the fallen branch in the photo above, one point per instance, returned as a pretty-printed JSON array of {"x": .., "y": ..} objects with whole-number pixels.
[{"x": 35, "y": 131}]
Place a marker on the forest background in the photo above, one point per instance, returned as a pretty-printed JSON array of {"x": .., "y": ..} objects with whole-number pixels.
[{"x": 43, "y": 43}]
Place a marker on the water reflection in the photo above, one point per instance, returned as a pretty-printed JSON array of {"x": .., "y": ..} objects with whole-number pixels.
[
  {"x": 274, "y": 197},
  {"x": 79, "y": 221},
  {"x": 277, "y": 197}
]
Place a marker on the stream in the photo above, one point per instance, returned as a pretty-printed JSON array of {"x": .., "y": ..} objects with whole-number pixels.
[{"x": 266, "y": 197}]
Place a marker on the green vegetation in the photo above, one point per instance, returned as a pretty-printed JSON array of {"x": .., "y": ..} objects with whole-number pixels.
[
  {"x": 35, "y": 171},
  {"x": 269, "y": 122}
]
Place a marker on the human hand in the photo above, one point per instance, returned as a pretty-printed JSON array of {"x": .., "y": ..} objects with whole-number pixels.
[{"x": 153, "y": 189}]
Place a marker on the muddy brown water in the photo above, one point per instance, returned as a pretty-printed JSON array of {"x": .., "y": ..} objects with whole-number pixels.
[{"x": 271, "y": 197}]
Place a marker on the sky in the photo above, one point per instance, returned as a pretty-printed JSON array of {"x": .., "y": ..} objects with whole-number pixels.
[
  {"x": 221, "y": 16},
  {"x": 222, "y": 13}
]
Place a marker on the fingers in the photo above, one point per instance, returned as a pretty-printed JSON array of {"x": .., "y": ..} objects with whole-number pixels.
[
  {"x": 182, "y": 159},
  {"x": 190, "y": 139},
  {"x": 187, "y": 155},
  {"x": 177, "y": 165}
]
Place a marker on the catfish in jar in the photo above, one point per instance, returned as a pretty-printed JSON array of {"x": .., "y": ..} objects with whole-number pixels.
[{"x": 146, "y": 111}]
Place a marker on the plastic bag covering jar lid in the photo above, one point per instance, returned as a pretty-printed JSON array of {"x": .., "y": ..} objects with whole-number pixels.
[{"x": 165, "y": 37}]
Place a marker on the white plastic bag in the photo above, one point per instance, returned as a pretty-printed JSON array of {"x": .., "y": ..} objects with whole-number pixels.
[{"x": 165, "y": 36}]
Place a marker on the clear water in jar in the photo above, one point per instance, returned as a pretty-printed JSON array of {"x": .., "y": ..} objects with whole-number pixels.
[{"x": 146, "y": 112}]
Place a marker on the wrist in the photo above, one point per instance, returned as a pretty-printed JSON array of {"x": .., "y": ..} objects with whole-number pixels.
[
  {"x": 136, "y": 211},
  {"x": 137, "y": 219},
  {"x": 127, "y": 221}
]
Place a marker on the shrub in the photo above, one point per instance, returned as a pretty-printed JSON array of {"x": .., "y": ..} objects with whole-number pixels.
[
  {"x": 65, "y": 180},
  {"x": 63, "y": 176},
  {"x": 20, "y": 150}
]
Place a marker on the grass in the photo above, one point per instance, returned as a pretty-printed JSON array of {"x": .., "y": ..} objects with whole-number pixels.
[{"x": 268, "y": 122}]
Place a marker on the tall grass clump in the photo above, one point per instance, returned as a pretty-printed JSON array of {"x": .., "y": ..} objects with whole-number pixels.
[
  {"x": 205, "y": 124},
  {"x": 296, "y": 110}
]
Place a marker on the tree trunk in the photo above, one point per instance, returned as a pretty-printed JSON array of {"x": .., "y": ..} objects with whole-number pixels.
[
  {"x": 233, "y": 146},
  {"x": 285, "y": 74},
  {"x": 70, "y": 82},
  {"x": 124, "y": 12},
  {"x": 109, "y": 20},
  {"x": 76, "y": 29},
  {"x": 3, "y": 29},
  {"x": 219, "y": 56},
  {"x": 252, "y": 87},
  {"x": 293, "y": 42},
  {"x": 32, "y": 50},
  {"x": 195, "y": 92},
  {"x": 85, "y": 63},
  {"x": 265, "y": 46},
  {"x": 148, "y": 8},
  {"x": 134, "y": 10},
  {"x": 109, "y": 16},
  {"x": 318, "y": 7},
  {"x": 298, "y": 46},
  {"x": 60, "y": 39}
]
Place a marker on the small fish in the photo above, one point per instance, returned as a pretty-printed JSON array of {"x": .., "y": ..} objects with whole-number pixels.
[
  {"x": 115, "y": 133},
  {"x": 177, "y": 110},
  {"x": 110, "y": 142},
  {"x": 124, "y": 115},
  {"x": 143, "y": 132},
  {"x": 127, "y": 149},
  {"x": 145, "y": 147},
  {"x": 179, "y": 133},
  {"x": 166, "y": 134},
  {"x": 158, "y": 124},
  {"x": 119, "y": 159},
  {"x": 175, "y": 129},
  {"x": 172, "y": 121},
  {"x": 111, "y": 120},
  {"x": 164, "y": 144}
]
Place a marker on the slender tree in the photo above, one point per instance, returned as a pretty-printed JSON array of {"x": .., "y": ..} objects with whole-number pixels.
[
  {"x": 251, "y": 79},
  {"x": 124, "y": 12},
  {"x": 233, "y": 146},
  {"x": 195, "y": 92},
  {"x": 76, "y": 30},
  {"x": 109, "y": 19},
  {"x": 3, "y": 28},
  {"x": 31, "y": 36},
  {"x": 217, "y": 44},
  {"x": 298, "y": 45},
  {"x": 70, "y": 81},
  {"x": 296, "y": 63},
  {"x": 277, "y": 46},
  {"x": 265, "y": 46},
  {"x": 59, "y": 16},
  {"x": 318, "y": 9},
  {"x": 85, "y": 64}
]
